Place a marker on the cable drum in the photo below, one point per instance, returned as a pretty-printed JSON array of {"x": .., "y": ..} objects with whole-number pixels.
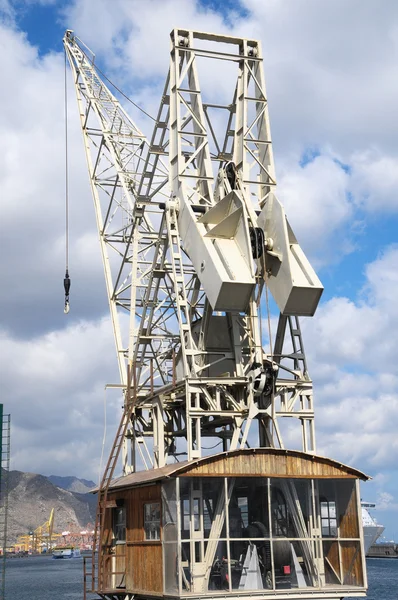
[
  {"x": 257, "y": 241},
  {"x": 261, "y": 379},
  {"x": 282, "y": 554},
  {"x": 257, "y": 379}
]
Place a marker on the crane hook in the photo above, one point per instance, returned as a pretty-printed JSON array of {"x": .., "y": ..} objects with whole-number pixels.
[{"x": 67, "y": 288}]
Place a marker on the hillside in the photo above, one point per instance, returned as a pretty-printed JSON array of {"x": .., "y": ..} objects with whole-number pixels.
[
  {"x": 31, "y": 498},
  {"x": 72, "y": 484}
]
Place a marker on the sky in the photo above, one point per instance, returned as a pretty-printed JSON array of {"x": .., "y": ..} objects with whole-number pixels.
[{"x": 331, "y": 71}]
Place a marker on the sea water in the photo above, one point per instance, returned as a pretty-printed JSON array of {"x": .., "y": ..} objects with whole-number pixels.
[
  {"x": 43, "y": 578},
  {"x": 382, "y": 578}
]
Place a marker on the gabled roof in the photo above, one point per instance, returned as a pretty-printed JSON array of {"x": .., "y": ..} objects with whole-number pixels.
[{"x": 248, "y": 462}]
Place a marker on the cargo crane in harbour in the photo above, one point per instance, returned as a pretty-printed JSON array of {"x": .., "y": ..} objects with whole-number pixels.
[{"x": 222, "y": 492}]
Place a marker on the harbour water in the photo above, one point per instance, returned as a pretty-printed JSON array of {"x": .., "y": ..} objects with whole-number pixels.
[{"x": 42, "y": 578}]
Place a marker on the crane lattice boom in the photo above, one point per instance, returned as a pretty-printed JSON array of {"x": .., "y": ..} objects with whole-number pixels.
[{"x": 186, "y": 258}]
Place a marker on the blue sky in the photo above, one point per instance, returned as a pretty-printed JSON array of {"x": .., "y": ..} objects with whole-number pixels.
[{"x": 332, "y": 79}]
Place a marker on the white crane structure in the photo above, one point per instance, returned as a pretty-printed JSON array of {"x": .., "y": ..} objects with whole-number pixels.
[
  {"x": 194, "y": 243},
  {"x": 191, "y": 234}
]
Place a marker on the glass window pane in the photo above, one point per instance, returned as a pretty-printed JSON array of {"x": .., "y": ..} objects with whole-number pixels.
[
  {"x": 219, "y": 577},
  {"x": 244, "y": 510},
  {"x": 206, "y": 508},
  {"x": 119, "y": 524},
  {"x": 248, "y": 508},
  {"x": 152, "y": 521},
  {"x": 196, "y": 514},
  {"x": 208, "y": 511}
]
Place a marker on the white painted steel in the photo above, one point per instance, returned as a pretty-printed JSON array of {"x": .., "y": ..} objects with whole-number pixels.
[
  {"x": 291, "y": 279},
  {"x": 175, "y": 217}
]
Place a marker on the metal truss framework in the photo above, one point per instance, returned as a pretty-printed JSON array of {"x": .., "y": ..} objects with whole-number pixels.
[
  {"x": 5, "y": 421},
  {"x": 183, "y": 391}
]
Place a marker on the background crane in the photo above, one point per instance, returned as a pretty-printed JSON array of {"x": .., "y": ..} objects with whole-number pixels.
[{"x": 41, "y": 539}]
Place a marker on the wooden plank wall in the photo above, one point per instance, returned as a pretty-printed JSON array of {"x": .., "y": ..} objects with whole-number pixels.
[
  {"x": 349, "y": 519},
  {"x": 350, "y": 551},
  {"x": 144, "y": 558},
  {"x": 331, "y": 555},
  {"x": 112, "y": 556},
  {"x": 352, "y": 564},
  {"x": 268, "y": 465},
  {"x": 145, "y": 568}
]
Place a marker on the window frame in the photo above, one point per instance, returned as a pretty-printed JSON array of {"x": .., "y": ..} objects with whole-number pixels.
[
  {"x": 327, "y": 529},
  {"x": 151, "y": 521},
  {"x": 119, "y": 526}
]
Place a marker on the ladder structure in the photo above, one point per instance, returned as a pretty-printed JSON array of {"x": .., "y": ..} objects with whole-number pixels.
[
  {"x": 96, "y": 573},
  {"x": 5, "y": 422}
]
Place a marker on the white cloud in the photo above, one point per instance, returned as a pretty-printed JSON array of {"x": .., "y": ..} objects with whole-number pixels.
[
  {"x": 330, "y": 79},
  {"x": 347, "y": 331},
  {"x": 134, "y": 35},
  {"x": 54, "y": 387},
  {"x": 32, "y": 183},
  {"x": 351, "y": 347},
  {"x": 331, "y": 71},
  {"x": 374, "y": 181},
  {"x": 382, "y": 281},
  {"x": 316, "y": 200},
  {"x": 385, "y": 501}
]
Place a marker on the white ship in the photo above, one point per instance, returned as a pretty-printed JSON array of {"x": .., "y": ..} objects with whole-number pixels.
[
  {"x": 371, "y": 529},
  {"x": 66, "y": 552}
]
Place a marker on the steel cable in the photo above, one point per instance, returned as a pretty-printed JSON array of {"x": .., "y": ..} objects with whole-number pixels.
[{"x": 66, "y": 278}]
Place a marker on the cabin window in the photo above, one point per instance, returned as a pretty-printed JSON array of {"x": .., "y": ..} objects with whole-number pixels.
[
  {"x": 185, "y": 514},
  {"x": 244, "y": 511},
  {"x": 328, "y": 516},
  {"x": 119, "y": 524},
  {"x": 170, "y": 537},
  {"x": 208, "y": 512},
  {"x": 260, "y": 533},
  {"x": 152, "y": 521},
  {"x": 196, "y": 513},
  {"x": 280, "y": 513}
]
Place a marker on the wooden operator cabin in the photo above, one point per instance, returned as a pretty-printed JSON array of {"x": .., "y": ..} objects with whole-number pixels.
[{"x": 264, "y": 522}]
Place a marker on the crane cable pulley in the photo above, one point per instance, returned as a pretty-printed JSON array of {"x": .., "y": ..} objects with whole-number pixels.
[{"x": 67, "y": 280}]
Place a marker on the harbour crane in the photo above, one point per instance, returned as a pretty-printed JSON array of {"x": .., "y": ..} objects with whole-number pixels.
[
  {"x": 41, "y": 538},
  {"x": 194, "y": 243}
]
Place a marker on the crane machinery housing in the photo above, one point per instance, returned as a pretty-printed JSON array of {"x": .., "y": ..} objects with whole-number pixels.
[{"x": 194, "y": 241}]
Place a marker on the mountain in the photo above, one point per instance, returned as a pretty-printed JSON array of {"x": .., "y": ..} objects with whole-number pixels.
[
  {"x": 72, "y": 484},
  {"x": 31, "y": 499}
]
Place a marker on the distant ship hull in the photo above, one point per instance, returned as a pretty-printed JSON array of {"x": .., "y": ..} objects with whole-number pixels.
[
  {"x": 384, "y": 550},
  {"x": 371, "y": 535},
  {"x": 66, "y": 552},
  {"x": 371, "y": 529}
]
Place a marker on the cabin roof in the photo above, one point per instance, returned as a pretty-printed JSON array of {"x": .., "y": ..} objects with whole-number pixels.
[{"x": 247, "y": 462}]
